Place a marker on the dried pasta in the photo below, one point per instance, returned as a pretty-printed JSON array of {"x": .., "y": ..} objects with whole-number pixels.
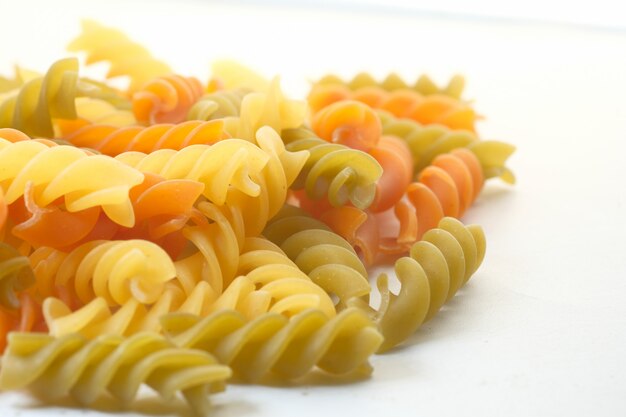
[
  {"x": 166, "y": 99},
  {"x": 423, "y": 85},
  {"x": 126, "y": 57},
  {"x": 115, "y": 270},
  {"x": 218, "y": 105},
  {"x": 64, "y": 171},
  {"x": 15, "y": 275},
  {"x": 286, "y": 347},
  {"x": 428, "y": 141},
  {"x": 328, "y": 259},
  {"x": 33, "y": 105},
  {"x": 113, "y": 140},
  {"x": 334, "y": 171},
  {"x": 438, "y": 265},
  {"x": 84, "y": 369},
  {"x": 228, "y": 163},
  {"x": 435, "y": 108}
]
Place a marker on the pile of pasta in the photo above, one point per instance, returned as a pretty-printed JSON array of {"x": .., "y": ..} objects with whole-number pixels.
[{"x": 179, "y": 233}]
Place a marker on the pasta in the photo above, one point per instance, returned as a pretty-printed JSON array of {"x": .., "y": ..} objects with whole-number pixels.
[
  {"x": 426, "y": 142},
  {"x": 94, "y": 111},
  {"x": 334, "y": 171},
  {"x": 438, "y": 265},
  {"x": 73, "y": 365},
  {"x": 113, "y": 140},
  {"x": 126, "y": 57},
  {"x": 424, "y": 85},
  {"x": 34, "y": 105},
  {"x": 218, "y": 105},
  {"x": 166, "y": 99},
  {"x": 435, "y": 108},
  {"x": 64, "y": 171},
  {"x": 326, "y": 258},
  {"x": 116, "y": 271},
  {"x": 222, "y": 165},
  {"x": 15, "y": 275},
  {"x": 286, "y": 347},
  {"x": 167, "y": 231}
]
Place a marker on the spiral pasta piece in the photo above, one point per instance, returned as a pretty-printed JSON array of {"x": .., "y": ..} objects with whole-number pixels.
[
  {"x": 112, "y": 140},
  {"x": 41, "y": 99},
  {"x": 126, "y": 58},
  {"x": 166, "y": 99},
  {"x": 428, "y": 141},
  {"x": 287, "y": 347},
  {"x": 227, "y": 164},
  {"x": 281, "y": 286},
  {"x": 423, "y": 85},
  {"x": 27, "y": 317},
  {"x": 350, "y": 123},
  {"x": 73, "y": 365},
  {"x": 334, "y": 171},
  {"x": 282, "y": 169},
  {"x": 270, "y": 109},
  {"x": 116, "y": 271},
  {"x": 15, "y": 275},
  {"x": 218, "y": 105},
  {"x": 65, "y": 171},
  {"x": 430, "y": 109},
  {"x": 325, "y": 257},
  {"x": 438, "y": 266}
]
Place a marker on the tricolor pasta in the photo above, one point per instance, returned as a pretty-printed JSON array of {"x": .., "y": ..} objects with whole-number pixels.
[{"x": 168, "y": 231}]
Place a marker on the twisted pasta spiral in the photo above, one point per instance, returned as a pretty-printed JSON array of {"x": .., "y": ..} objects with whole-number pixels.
[
  {"x": 438, "y": 265},
  {"x": 218, "y": 105},
  {"x": 325, "y": 257},
  {"x": 126, "y": 57},
  {"x": 428, "y": 141},
  {"x": 231, "y": 162},
  {"x": 166, "y": 99},
  {"x": 435, "y": 108},
  {"x": 65, "y": 171},
  {"x": 114, "y": 270},
  {"x": 41, "y": 99},
  {"x": 87, "y": 369},
  {"x": 333, "y": 170},
  {"x": 112, "y": 140},
  {"x": 288, "y": 347},
  {"x": 15, "y": 275},
  {"x": 423, "y": 85}
]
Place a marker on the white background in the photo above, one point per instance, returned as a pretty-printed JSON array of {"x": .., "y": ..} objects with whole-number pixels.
[{"x": 541, "y": 328}]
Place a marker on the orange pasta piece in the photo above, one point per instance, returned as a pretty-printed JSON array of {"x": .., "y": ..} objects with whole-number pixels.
[
  {"x": 166, "y": 99},
  {"x": 350, "y": 123},
  {"x": 395, "y": 158},
  {"x": 112, "y": 140}
]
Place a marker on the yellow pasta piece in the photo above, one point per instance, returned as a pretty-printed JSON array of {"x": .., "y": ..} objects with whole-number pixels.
[
  {"x": 65, "y": 171},
  {"x": 73, "y": 365},
  {"x": 227, "y": 163},
  {"x": 286, "y": 347},
  {"x": 126, "y": 58},
  {"x": 114, "y": 270}
]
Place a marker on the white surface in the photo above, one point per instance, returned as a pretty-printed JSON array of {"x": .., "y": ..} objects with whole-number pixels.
[{"x": 541, "y": 328}]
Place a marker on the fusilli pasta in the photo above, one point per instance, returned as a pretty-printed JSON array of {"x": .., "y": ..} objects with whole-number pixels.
[{"x": 73, "y": 365}]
